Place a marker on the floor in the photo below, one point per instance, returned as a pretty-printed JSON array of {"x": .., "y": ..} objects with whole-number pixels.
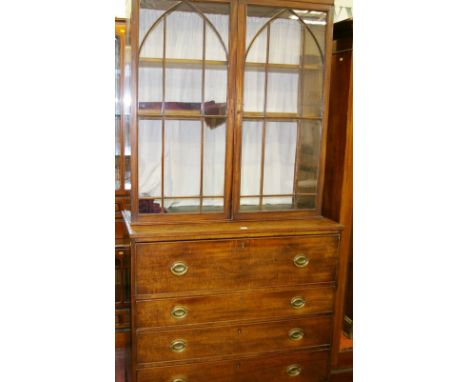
[
  {"x": 122, "y": 364},
  {"x": 345, "y": 343}
]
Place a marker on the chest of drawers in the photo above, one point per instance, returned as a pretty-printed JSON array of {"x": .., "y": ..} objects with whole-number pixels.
[{"x": 236, "y": 302}]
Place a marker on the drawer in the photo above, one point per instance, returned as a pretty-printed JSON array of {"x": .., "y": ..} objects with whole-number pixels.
[
  {"x": 310, "y": 366},
  {"x": 245, "y": 305},
  {"x": 233, "y": 264},
  {"x": 184, "y": 344}
]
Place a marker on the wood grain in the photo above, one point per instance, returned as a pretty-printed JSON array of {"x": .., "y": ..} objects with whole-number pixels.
[
  {"x": 257, "y": 369},
  {"x": 233, "y": 264},
  {"x": 155, "y": 346},
  {"x": 258, "y": 304}
]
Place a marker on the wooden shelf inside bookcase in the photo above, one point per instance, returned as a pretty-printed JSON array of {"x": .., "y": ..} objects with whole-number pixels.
[
  {"x": 271, "y": 115},
  {"x": 184, "y": 62},
  {"x": 190, "y": 114}
]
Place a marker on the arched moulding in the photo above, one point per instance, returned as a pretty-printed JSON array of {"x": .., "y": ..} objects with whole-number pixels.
[
  {"x": 156, "y": 23},
  {"x": 210, "y": 24},
  {"x": 301, "y": 20},
  {"x": 276, "y": 16},
  {"x": 259, "y": 32},
  {"x": 174, "y": 8}
]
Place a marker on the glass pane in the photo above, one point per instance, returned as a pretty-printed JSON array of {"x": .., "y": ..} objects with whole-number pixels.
[
  {"x": 282, "y": 94},
  {"x": 153, "y": 46},
  {"x": 257, "y": 51},
  {"x": 254, "y": 90},
  {"x": 214, "y": 154},
  {"x": 213, "y": 204},
  {"x": 280, "y": 155},
  {"x": 249, "y": 204},
  {"x": 216, "y": 49},
  {"x": 182, "y": 147},
  {"x": 149, "y": 158},
  {"x": 215, "y": 90},
  {"x": 150, "y": 87},
  {"x": 312, "y": 88},
  {"x": 117, "y": 75},
  {"x": 184, "y": 34},
  {"x": 251, "y": 158},
  {"x": 184, "y": 85},
  {"x": 182, "y": 205},
  {"x": 117, "y": 152},
  {"x": 277, "y": 203},
  {"x": 312, "y": 76},
  {"x": 316, "y": 23},
  {"x": 308, "y": 160},
  {"x": 257, "y": 18},
  {"x": 285, "y": 41},
  {"x": 127, "y": 153}
]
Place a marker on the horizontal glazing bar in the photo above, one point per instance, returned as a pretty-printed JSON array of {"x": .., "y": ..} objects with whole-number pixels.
[
  {"x": 182, "y": 197},
  {"x": 194, "y": 117},
  {"x": 286, "y": 67},
  {"x": 149, "y": 62},
  {"x": 279, "y": 116},
  {"x": 277, "y": 195}
]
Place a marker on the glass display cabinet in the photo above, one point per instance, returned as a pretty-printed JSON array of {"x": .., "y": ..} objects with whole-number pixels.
[
  {"x": 122, "y": 180},
  {"x": 122, "y": 109},
  {"x": 230, "y": 109}
]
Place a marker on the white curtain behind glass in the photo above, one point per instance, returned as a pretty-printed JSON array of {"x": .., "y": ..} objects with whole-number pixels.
[
  {"x": 182, "y": 154},
  {"x": 282, "y": 97}
]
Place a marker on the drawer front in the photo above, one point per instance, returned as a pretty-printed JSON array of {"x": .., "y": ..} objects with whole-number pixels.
[
  {"x": 185, "y": 344},
  {"x": 310, "y": 366},
  {"x": 254, "y": 304},
  {"x": 230, "y": 264}
]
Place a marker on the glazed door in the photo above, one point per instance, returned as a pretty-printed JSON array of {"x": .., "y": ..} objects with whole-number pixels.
[
  {"x": 282, "y": 98},
  {"x": 183, "y": 115}
]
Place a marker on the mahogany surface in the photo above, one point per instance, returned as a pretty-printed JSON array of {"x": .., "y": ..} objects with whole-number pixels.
[
  {"x": 244, "y": 339},
  {"x": 241, "y": 276},
  {"x": 229, "y": 264},
  {"x": 257, "y": 304},
  {"x": 314, "y": 368}
]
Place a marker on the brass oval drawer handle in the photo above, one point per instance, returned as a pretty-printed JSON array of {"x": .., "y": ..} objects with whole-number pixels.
[
  {"x": 179, "y": 268},
  {"x": 179, "y": 380},
  {"x": 296, "y": 334},
  {"x": 294, "y": 370},
  {"x": 178, "y": 346},
  {"x": 301, "y": 261},
  {"x": 298, "y": 302},
  {"x": 179, "y": 312}
]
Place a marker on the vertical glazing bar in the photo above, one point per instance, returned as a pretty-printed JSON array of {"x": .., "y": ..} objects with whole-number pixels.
[
  {"x": 121, "y": 112},
  {"x": 301, "y": 72},
  {"x": 202, "y": 131},
  {"x": 301, "y": 114},
  {"x": 262, "y": 168},
  {"x": 163, "y": 109}
]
